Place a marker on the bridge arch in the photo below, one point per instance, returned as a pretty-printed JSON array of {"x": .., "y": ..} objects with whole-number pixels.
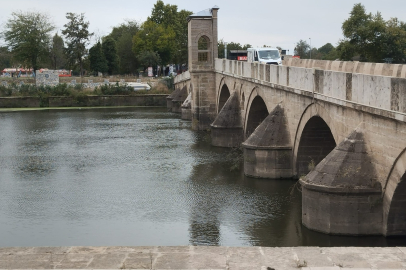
[
  {"x": 315, "y": 138},
  {"x": 394, "y": 198},
  {"x": 223, "y": 94},
  {"x": 256, "y": 111}
]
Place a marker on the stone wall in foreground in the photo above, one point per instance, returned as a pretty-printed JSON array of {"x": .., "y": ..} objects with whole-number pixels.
[{"x": 20, "y": 102}]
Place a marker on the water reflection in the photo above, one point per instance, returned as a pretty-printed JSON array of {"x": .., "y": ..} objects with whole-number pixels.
[{"x": 137, "y": 177}]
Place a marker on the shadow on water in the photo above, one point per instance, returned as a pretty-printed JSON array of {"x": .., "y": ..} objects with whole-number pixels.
[{"x": 259, "y": 212}]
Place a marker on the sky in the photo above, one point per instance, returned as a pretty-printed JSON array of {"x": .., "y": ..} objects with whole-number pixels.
[{"x": 255, "y": 22}]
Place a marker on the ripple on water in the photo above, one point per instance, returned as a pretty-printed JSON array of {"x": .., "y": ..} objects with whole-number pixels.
[{"x": 134, "y": 177}]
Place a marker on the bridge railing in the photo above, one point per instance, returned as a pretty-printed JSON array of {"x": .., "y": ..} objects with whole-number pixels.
[
  {"x": 379, "y": 69},
  {"x": 387, "y": 93},
  {"x": 182, "y": 77}
]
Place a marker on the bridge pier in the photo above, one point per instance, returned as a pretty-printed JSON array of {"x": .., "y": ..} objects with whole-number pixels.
[
  {"x": 186, "y": 108},
  {"x": 227, "y": 129},
  {"x": 342, "y": 195},
  {"x": 169, "y": 100},
  {"x": 268, "y": 151},
  {"x": 178, "y": 99}
]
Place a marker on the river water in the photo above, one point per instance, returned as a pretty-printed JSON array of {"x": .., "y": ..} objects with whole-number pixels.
[{"x": 138, "y": 177}]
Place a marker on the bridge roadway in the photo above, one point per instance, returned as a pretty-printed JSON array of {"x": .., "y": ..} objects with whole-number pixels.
[{"x": 203, "y": 257}]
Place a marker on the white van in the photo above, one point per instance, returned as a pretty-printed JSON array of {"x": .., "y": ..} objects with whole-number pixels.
[{"x": 264, "y": 55}]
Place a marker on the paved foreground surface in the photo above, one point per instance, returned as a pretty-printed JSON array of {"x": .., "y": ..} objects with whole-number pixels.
[{"x": 201, "y": 257}]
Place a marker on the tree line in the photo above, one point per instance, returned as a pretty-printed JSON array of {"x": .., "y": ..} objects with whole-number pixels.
[
  {"x": 367, "y": 38},
  {"x": 162, "y": 39},
  {"x": 129, "y": 48}
]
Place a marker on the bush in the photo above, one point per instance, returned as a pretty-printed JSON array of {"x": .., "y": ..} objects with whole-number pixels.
[
  {"x": 5, "y": 91},
  {"x": 168, "y": 81},
  {"x": 27, "y": 90},
  {"x": 115, "y": 89}
]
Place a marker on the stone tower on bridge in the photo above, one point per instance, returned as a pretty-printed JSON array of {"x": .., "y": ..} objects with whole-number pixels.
[{"x": 202, "y": 50}]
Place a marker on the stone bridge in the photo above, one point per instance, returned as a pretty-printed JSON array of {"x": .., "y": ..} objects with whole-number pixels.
[{"x": 338, "y": 127}]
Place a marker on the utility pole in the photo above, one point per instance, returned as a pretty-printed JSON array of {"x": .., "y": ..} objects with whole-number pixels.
[{"x": 310, "y": 48}]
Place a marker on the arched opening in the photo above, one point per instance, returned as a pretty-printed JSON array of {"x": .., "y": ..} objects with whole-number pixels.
[
  {"x": 397, "y": 213},
  {"x": 242, "y": 101},
  {"x": 224, "y": 95},
  {"x": 203, "y": 47},
  {"x": 257, "y": 113},
  {"x": 316, "y": 143}
]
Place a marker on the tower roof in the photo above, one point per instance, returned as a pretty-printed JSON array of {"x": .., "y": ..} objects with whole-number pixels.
[{"x": 207, "y": 13}]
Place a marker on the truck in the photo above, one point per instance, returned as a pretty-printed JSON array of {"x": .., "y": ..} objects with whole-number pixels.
[{"x": 269, "y": 56}]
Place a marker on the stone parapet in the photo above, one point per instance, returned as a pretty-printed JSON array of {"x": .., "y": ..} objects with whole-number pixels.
[
  {"x": 378, "y": 69},
  {"x": 185, "y": 76},
  {"x": 373, "y": 91}
]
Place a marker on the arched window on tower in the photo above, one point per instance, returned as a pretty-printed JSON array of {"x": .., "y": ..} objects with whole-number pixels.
[{"x": 203, "y": 47}]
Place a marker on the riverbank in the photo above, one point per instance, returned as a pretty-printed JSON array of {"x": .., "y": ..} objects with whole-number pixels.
[
  {"x": 70, "y": 108},
  {"x": 203, "y": 257},
  {"x": 84, "y": 101}
]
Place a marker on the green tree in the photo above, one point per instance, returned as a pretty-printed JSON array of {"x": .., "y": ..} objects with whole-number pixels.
[
  {"x": 28, "y": 34},
  {"x": 156, "y": 38},
  {"x": 110, "y": 53},
  {"x": 163, "y": 14},
  {"x": 181, "y": 31},
  {"x": 326, "y": 48},
  {"x": 365, "y": 34},
  {"x": 6, "y": 58},
  {"x": 302, "y": 49},
  {"x": 77, "y": 37},
  {"x": 395, "y": 41},
  {"x": 315, "y": 54},
  {"x": 346, "y": 50},
  {"x": 326, "y": 52},
  {"x": 123, "y": 35},
  {"x": 98, "y": 62},
  {"x": 149, "y": 58},
  {"x": 57, "y": 55},
  {"x": 230, "y": 46},
  {"x": 221, "y": 46},
  {"x": 170, "y": 18}
]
